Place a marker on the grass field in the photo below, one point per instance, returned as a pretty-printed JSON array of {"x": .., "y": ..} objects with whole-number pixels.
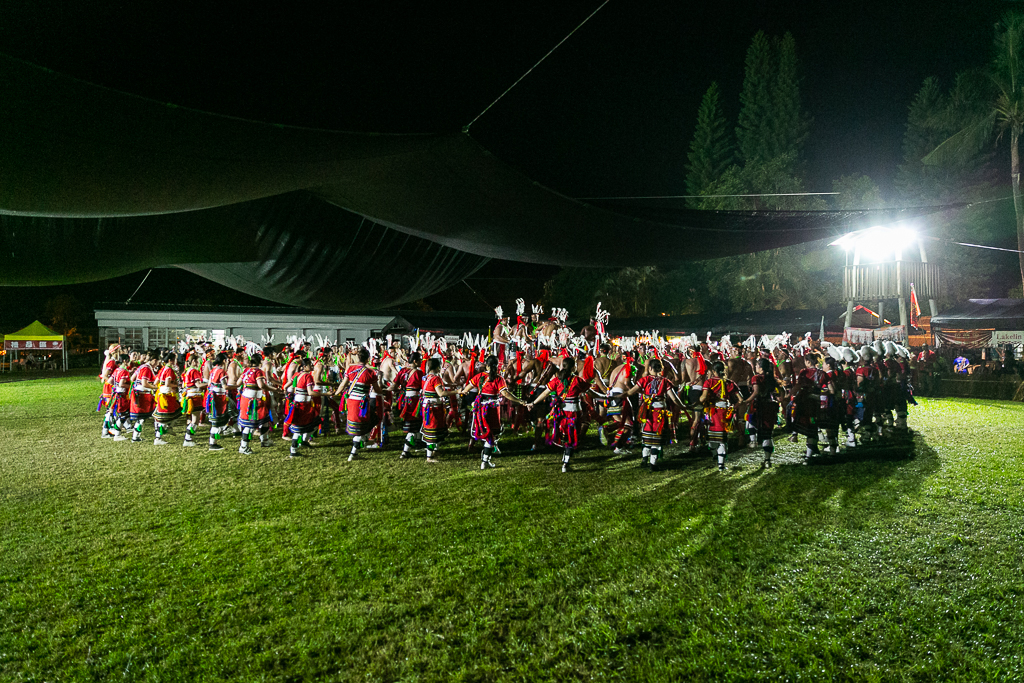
[{"x": 137, "y": 563}]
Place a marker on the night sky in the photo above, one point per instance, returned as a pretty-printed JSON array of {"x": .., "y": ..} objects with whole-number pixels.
[{"x": 610, "y": 113}]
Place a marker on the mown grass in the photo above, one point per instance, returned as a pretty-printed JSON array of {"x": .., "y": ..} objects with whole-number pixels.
[{"x": 122, "y": 562}]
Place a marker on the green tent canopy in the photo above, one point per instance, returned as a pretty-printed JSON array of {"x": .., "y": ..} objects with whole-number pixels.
[{"x": 36, "y": 337}]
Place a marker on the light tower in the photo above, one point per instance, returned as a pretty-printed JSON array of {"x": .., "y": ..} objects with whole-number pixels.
[{"x": 881, "y": 264}]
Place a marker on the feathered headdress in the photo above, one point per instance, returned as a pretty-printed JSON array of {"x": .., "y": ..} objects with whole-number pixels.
[{"x": 601, "y": 319}]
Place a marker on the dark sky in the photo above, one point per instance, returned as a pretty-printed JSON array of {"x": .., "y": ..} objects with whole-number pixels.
[{"x": 610, "y": 113}]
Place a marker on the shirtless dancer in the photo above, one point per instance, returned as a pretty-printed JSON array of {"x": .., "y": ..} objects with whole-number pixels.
[
  {"x": 619, "y": 408},
  {"x": 233, "y": 372},
  {"x": 603, "y": 366},
  {"x": 695, "y": 370}
]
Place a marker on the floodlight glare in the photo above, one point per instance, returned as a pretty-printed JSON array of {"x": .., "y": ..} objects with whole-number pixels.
[{"x": 878, "y": 242}]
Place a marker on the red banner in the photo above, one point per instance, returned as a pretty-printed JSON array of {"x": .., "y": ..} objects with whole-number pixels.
[
  {"x": 915, "y": 308},
  {"x": 858, "y": 336},
  {"x": 894, "y": 333},
  {"x": 972, "y": 339},
  {"x": 33, "y": 345}
]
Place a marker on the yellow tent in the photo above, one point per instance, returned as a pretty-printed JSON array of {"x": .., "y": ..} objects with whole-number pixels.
[{"x": 33, "y": 338}]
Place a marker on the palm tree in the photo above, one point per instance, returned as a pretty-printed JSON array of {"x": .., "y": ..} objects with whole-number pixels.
[{"x": 1006, "y": 115}]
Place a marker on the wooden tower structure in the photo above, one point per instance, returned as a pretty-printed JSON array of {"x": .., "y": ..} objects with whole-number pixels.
[{"x": 881, "y": 264}]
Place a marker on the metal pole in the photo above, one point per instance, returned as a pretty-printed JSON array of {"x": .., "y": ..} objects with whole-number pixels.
[
  {"x": 932, "y": 308},
  {"x": 881, "y": 313},
  {"x": 849, "y": 320},
  {"x": 903, "y": 315}
]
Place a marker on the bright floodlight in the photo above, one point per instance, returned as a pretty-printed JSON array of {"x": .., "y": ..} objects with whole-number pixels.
[{"x": 879, "y": 242}]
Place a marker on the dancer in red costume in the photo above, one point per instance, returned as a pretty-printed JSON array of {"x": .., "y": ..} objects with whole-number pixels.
[
  {"x": 407, "y": 386},
  {"x": 109, "y": 365},
  {"x": 567, "y": 390},
  {"x": 141, "y": 402},
  {"x": 763, "y": 408},
  {"x": 168, "y": 405},
  {"x": 486, "y": 426},
  {"x": 718, "y": 398},
  {"x": 654, "y": 413},
  {"x": 217, "y": 401},
  {"x": 434, "y": 409},
  {"x": 194, "y": 388},
  {"x": 120, "y": 385},
  {"x": 304, "y": 414},
  {"x": 806, "y": 405},
  {"x": 288, "y": 375},
  {"x": 254, "y": 405},
  {"x": 359, "y": 382}
]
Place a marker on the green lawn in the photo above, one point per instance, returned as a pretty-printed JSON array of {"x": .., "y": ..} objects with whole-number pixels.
[{"x": 128, "y": 562}]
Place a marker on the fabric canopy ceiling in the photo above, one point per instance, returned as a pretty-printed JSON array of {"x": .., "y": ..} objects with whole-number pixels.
[
  {"x": 96, "y": 182},
  {"x": 999, "y": 314}
]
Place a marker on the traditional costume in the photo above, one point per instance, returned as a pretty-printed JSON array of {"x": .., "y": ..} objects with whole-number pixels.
[
  {"x": 409, "y": 384},
  {"x": 360, "y": 405},
  {"x": 565, "y": 418},
  {"x": 253, "y": 409},
  {"x": 486, "y": 423},
  {"x": 109, "y": 367},
  {"x": 653, "y": 415},
  {"x": 304, "y": 414},
  {"x": 719, "y": 413},
  {"x": 217, "y": 405},
  {"x": 763, "y": 414},
  {"x": 192, "y": 403},
  {"x": 141, "y": 403},
  {"x": 118, "y": 411},
  {"x": 433, "y": 410},
  {"x": 804, "y": 412}
]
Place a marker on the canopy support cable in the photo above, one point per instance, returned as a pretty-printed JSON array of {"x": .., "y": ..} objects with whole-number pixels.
[
  {"x": 140, "y": 286},
  {"x": 465, "y": 129}
]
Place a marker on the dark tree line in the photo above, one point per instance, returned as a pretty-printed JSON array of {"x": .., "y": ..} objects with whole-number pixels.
[{"x": 952, "y": 152}]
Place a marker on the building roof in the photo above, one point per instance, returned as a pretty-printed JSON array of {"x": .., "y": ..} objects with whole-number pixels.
[
  {"x": 434, "y": 321},
  {"x": 237, "y": 310},
  {"x": 990, "y": 314}
]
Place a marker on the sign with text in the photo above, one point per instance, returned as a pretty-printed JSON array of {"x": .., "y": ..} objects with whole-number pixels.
[
  {"x": 1000, "y": 337},
  {"x": 31, "y": 345}
]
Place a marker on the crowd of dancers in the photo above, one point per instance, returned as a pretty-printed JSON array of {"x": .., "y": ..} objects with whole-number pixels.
[{"x": 531, "y": 375}]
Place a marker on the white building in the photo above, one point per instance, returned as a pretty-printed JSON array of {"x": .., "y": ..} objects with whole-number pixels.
[{"x": 146, "y": 326}]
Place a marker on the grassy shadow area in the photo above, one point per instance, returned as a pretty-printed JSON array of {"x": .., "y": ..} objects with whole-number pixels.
[
  {"x": 22, "y": 376},
  {"x": 145, "y": 563}
]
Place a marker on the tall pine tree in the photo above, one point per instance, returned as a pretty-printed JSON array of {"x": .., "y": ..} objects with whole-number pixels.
[
  {"x": 772, "y": 123},
  {"x": 754, "y": 127},
  {"x": 924, "y": 132},
  {"x": 710, "y": 150},
  {"x": 789, "y": 123}
]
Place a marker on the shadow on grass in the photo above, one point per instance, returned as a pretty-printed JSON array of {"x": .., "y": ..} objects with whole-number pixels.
[{"x": 742, "y": 511}]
